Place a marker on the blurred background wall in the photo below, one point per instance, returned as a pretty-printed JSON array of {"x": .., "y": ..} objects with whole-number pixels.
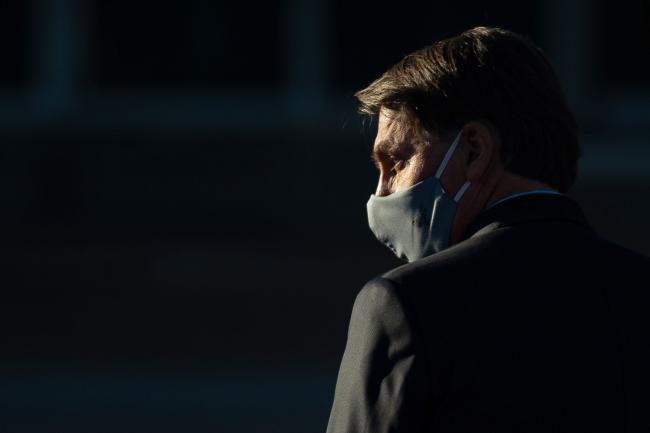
[{"x": 183, "y": 189}]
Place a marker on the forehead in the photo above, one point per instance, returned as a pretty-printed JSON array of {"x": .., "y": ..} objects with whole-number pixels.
[
  {"x": 396, "y": 135},
  {"x": 392, "y": 126}
]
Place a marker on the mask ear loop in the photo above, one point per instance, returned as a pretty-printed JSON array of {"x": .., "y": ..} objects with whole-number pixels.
[
  {"x": 444, "y": 163},
  {"x": 461, "y": 191},
  {"x": 448, "y": 155}
]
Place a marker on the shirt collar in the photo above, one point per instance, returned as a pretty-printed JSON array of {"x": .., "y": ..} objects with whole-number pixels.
[{"x": 519, "y": 194}]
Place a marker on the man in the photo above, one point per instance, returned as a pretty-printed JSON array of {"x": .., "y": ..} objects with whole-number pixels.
[{"x": 512, "y": 314}]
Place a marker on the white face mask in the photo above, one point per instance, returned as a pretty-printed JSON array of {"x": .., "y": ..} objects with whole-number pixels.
[{"x": 417, "y": 221}]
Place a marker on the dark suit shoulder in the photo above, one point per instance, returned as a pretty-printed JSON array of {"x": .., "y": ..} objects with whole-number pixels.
[
  {"x": 381, "y": 302},
  {"x": 468, "y": 254},
  {"x": 513, "y": 265},
  {"x": 376, "y": 300},
  {"x": 634, "y": 258},
  {"x": 507, "y": 248}
]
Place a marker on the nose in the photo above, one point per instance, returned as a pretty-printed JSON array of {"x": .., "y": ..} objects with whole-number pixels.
[{"x": 382, "y": 186}]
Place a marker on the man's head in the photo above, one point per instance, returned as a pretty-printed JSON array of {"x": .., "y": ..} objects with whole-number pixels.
[{"x": 501, "y": 92}]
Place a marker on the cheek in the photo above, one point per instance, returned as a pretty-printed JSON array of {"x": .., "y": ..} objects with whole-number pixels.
[
  {"x": 417, "y": 170},
  {"x": 407, "y": 177}
]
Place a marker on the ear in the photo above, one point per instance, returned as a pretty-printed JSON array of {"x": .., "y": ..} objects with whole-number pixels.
[{"x": 482, "y": 143}]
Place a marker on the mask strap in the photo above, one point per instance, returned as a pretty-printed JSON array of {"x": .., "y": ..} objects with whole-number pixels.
[
  {"x": 448, "y": 155},
  {"x": 461, "y": 191}
]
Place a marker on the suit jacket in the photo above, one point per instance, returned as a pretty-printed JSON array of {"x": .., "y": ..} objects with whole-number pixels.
[{"x": 532, "y": 323}]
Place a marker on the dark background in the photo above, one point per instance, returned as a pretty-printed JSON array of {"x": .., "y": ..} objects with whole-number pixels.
[{"x": 183, "y": 194}]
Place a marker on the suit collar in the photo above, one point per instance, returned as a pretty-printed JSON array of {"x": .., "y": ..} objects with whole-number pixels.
[{"x": 532, "y": 208}]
